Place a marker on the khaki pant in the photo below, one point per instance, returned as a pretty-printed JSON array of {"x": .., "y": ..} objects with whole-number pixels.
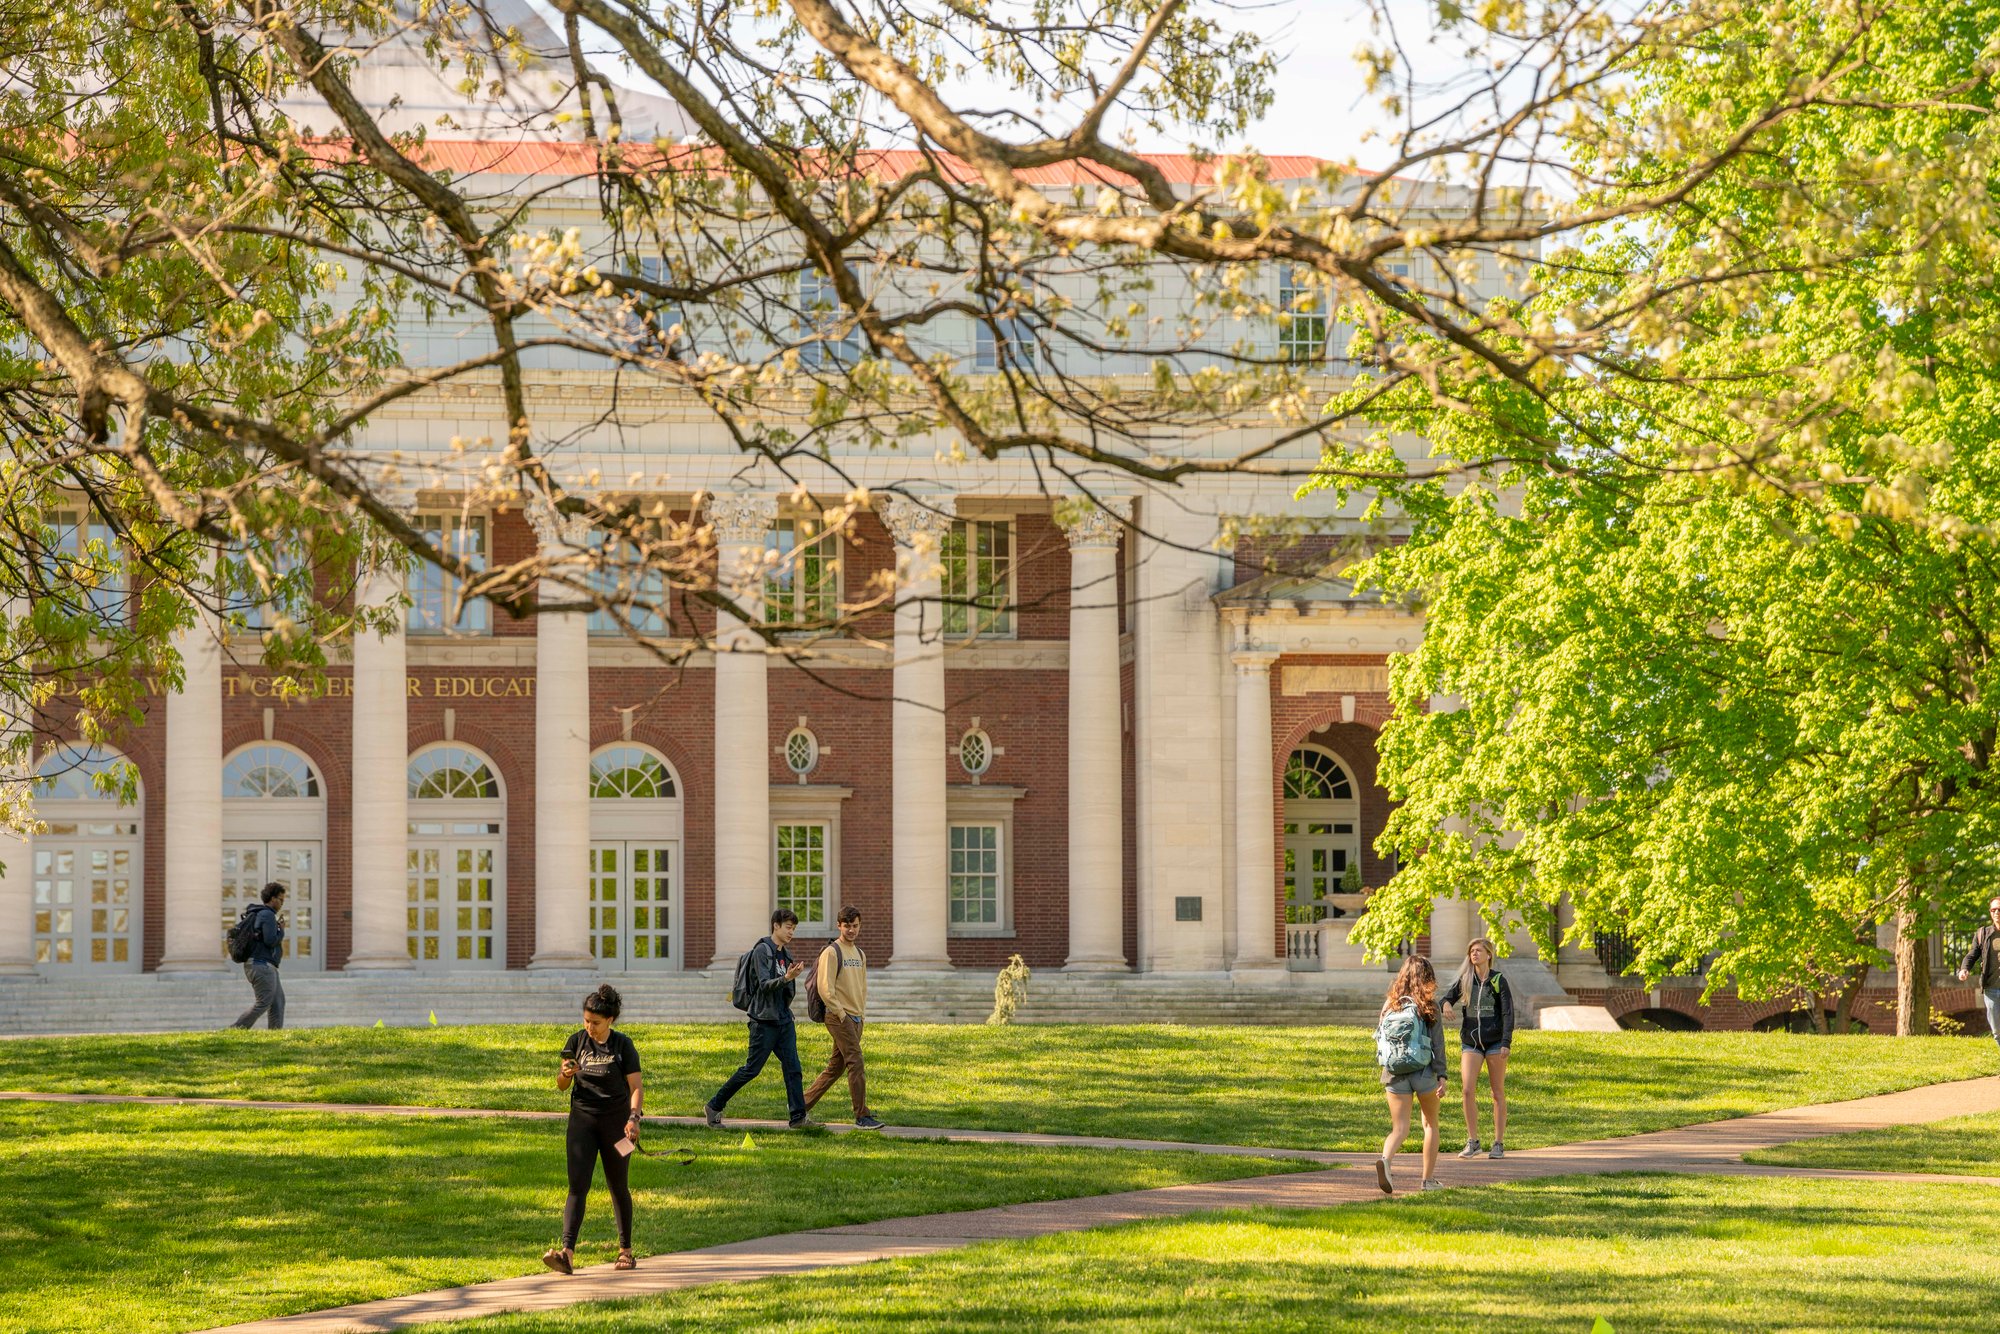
[{"x": 846, "y": 1034}]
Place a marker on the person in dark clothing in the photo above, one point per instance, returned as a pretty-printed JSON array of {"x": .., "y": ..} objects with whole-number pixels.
[
  {"x": 267, "y": 949},
  {"x": 1983, "y": 961},
  {"x": 1415, "y": 989},
  {"x": 1485, "y": 1031},
  {"x": 600, "y": 1072},
  {"x": 772, "y": 983}
]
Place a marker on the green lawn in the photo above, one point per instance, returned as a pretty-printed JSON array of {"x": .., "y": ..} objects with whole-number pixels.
[
  {"x": 1304, "y": 1087},
  {"x": 166, "y": 1218},
  {"x": 1651, "y": 1255},
  {"x": 1966, "y": 1146}
]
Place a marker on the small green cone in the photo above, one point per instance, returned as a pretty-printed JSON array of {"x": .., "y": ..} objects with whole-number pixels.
[
  {"x": 1602, "y": 1326},
  {"x": 378, "y": 1023},
  {"x": 748, "y": 1143},
  {"x": 434, "y": 1018}
]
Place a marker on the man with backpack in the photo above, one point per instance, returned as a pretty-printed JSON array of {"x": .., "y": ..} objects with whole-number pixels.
[
  {"x": 836, "y": 995},
  {"x": 257, "y": 941},
  {"x": 763, "y": 990}
]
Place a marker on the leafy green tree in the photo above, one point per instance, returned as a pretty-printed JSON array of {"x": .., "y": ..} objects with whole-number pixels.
[{"x": 1747, "y": 722}]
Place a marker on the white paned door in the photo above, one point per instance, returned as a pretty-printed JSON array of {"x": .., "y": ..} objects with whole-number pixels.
[
  {"x": 634, "y": 904},
  {"x": 87, "y": 904},
  {"x": 247, "y": 866},
  {"x": 454, "y": 904}
]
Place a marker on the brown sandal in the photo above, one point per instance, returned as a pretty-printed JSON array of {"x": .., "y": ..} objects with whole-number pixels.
[
  {"x": 558, "y": 1259},
  {"x": 625, "y": 1260}
]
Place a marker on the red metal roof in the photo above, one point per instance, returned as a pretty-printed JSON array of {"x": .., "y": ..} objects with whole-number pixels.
[{"x": 540, "y": 158}]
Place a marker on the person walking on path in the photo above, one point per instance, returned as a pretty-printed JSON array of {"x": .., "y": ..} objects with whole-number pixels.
[
  {"x": 600, "y": 1072},
  {"x": 1409, "y": 1047},
  {"x": 840, "y": 986},
  {"x": 766, "y": 982},
  {"x": 267, "y": 948},
  {"x": 1983, "y": 960},
  {"x": 1485, "y": 1031}
]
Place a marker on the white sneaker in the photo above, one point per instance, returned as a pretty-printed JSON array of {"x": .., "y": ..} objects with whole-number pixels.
[
  {"x": 1471, "y": 1149},
  {"x": 1383, "y": 1177},
  {"x": 1432, "y": 1184}
]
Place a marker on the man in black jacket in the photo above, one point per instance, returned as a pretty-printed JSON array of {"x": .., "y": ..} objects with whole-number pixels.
[
  {"x": 772, "y": 983},
  {"x": 1983, "y": 961},
  {"x": 267, "y": 948}
]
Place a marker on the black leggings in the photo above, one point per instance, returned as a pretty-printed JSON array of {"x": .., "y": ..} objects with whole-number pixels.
[{"x": 591, "y": 1137}]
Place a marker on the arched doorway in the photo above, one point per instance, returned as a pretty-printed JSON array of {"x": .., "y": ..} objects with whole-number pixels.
[
  {"x": 274, "y": 828},
  {"x": 635, "y": 859},
  {"x": 87, "y": 894},
  {"x": 458, "y": 850},
  {"x": 1322, "y": 815}
]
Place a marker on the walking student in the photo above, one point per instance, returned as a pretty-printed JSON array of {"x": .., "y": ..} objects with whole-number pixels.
[
  {"x": 766, "y": 981},
  {"x": 1485, "y": 1031},
  {"x": 600, "y": 1072},
  {"x": 840, "y": 986},
  {"x": 260, "y": 929},
  {"x": 1983, "y": 960},
  {"x": 1409, "y": 1046}
]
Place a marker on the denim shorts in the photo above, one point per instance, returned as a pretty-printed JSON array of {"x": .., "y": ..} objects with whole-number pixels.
[
  {"x": 1418, "y": 1081},
  {"x": 1482, "y": 1055}
]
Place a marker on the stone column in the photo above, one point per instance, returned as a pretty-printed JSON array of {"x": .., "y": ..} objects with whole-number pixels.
[
  {"x": 1256, "y": 848},
  {"x": 380, "y": 860},
  {"x": 17, "y": 871},
  {"x": 1451, "y": 931},
  {"x": 562, "y": 758},
  {"x": 742, "y": 729},
  {"x": 1096, "y": 759},
  {"x": 193, "y": 854},
  {"x": 918, "y": 860}
]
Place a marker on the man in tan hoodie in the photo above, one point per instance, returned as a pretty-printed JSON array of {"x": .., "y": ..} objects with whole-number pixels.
[{"x": 841, "y": 979}]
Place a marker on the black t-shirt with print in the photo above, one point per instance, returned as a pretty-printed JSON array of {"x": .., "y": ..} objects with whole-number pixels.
[{"x": 601, "y": 1068}]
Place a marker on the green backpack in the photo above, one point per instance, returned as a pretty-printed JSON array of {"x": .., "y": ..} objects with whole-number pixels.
[{"x": 1403, "y": 1040}]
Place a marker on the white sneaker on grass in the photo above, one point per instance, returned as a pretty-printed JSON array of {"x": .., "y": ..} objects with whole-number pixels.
[{"x": 1431, "y": 1184}]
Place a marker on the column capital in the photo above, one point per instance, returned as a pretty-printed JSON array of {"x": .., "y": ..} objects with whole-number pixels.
[
  {"x": 555, "y": 529},
  {"x": 740, "y": 518},
  {"x": 1254, "y": 661},
  {"x": 1095, "y": 522},
  {"x": 918, "y": 522}
]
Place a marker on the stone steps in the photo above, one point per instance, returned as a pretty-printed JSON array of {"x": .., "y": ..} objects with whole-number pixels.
[{"x": 152, "y": 1003}]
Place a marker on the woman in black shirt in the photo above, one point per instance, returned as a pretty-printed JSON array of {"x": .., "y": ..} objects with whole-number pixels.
[
  {"x": 1485, "y": 1031},
  {"x": 600, "y": 1071}
]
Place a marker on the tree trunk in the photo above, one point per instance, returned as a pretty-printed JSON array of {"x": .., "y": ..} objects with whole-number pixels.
[
  {"x": 1913, "y": 977},
  {"x": 1843, "y": 1009}
]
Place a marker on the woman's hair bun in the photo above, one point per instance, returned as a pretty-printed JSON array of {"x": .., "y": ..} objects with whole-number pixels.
[{"x": 605, "y": 1001}]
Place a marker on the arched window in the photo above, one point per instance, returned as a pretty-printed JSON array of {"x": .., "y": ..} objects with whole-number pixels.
[
  {"x": 269, "y": 772},
  {"x": 635, "y": 859},
  {"x": 70, "y": 773},
  {"x": 1314, "y": 775},
  {"x": 629, "y": 771},
  {"x": 86, "y": 855},
  {"x": 451, "y": 773}
]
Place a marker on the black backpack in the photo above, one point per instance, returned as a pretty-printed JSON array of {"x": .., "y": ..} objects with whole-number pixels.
[
  {"x": 739, "y": 990},
  {"x": 816, "y": 1003},
  {"x": 244, "y": 935}
]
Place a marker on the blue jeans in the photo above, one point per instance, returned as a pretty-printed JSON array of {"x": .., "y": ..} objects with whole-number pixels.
[
  {"x": 783, "y": 1039},
  {"x": 269, "y": 993},
  {"x": 1992, "y": 998}
]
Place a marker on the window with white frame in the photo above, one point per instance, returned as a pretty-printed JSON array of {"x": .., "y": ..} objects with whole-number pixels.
[
  {"x": 1301, "y": 317},
  {"x": 976, "y": 876},
  {"x": 978, "y": 583},
  {"x": 85, "y": 568},
  {"x": 1003, "y": 342},
  {"x": 835, "y": 339},
  {"x": 627, "y": 581},
  {"x": 803, "y": 586},
  {"x": 434, "y": 592},
  {"x": 801, "y": 752},
  {"x": 803, "y": 871}
]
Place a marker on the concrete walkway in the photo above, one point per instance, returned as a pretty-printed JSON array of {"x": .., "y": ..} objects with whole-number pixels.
[{"x": 1714, "y": 1147}]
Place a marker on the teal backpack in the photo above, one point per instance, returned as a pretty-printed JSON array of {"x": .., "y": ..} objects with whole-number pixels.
[{"x": 1403, "y": 1040}]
